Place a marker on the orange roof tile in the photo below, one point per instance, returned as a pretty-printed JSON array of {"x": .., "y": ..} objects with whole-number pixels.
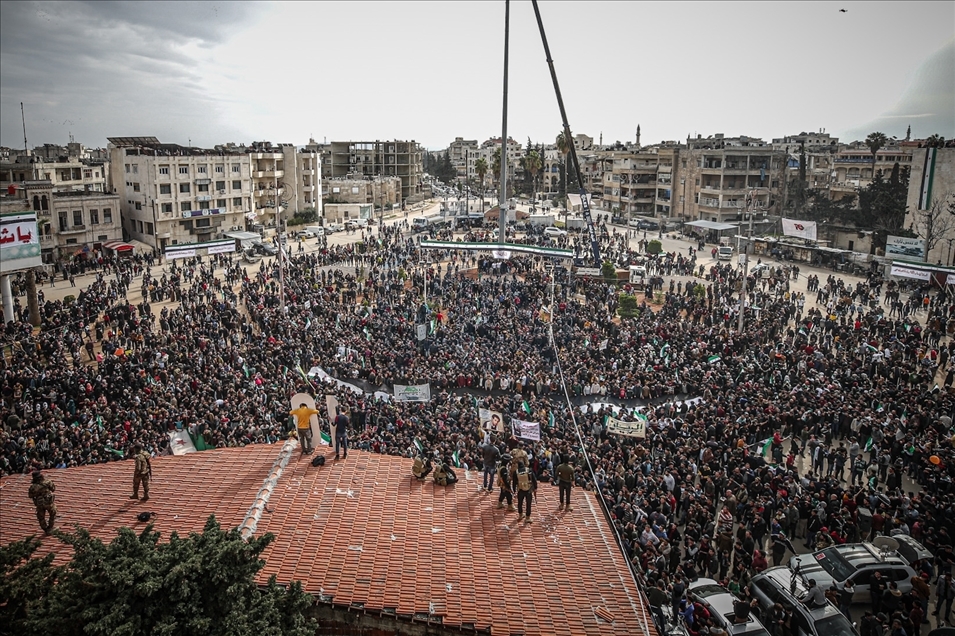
[{"x": 362, "y": 531}]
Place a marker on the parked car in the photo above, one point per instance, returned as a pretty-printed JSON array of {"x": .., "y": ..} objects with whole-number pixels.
[
  {"x": 264, "y": 249},
  {"x": 306, "y": 234},
  {"x": 554, "y": 231},
  {"x": 857, "y": 562},
  {"x": 644, "y": 224},
  {"x": 721, "y": 605},
  {"x": 775, "y": 585},
  {"x": 331, "y": 228}
]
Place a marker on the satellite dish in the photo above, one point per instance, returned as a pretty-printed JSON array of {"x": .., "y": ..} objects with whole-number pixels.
[{"x": 885, "y": 545}]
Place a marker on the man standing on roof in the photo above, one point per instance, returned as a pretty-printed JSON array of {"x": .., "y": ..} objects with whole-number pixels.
[
  {"x": 505, "y": 483},
  {"x": 303, "y": 415},
  {"x": 142, "y": 472},
  {"x": 490, "y": 454},
  {"x": 341, "y": 432},
  {"x": 526, "y": 482},
  {"x": 565, "y": 480},
  {"x": 41, "y": 492}
]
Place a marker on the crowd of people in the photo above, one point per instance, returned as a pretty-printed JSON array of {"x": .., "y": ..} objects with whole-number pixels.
[{"x": 729, "y": 415}]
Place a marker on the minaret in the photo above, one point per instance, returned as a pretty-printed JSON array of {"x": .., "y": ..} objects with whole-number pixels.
[
  {"x": 638, "y": 136},
  {"x": 601, "y": 138},
  {"x": 908, "y": 134}
]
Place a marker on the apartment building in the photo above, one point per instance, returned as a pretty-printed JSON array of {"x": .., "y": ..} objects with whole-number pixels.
[
  {"x": 630, "y": 188},
  {"x": 514, "y": 154},
  {"x": 723, "y": 173},
  {"x": 295, "y": 173},
  {"x": 64, "y": 172},
  {"x": 819, "y": 150},
  {"x": 463, "y": 155},
  {"x": 172, "y": 194},
  {"x": 72, "y": 223},
  {"x": 932, "y": 183},
  {"x": 381, "y": 192},
  {"x": 853, "y": 169},
  {"x": 358, "y": 159}
]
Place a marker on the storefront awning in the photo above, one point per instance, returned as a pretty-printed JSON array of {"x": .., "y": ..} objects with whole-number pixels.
[
  {"x": 118, "y": 246},
  {"x": 711, "y": 225}
]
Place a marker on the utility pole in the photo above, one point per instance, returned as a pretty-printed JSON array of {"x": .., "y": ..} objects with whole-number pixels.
[
  {"x": 744, "y": 255},
  {"x": 502, "y": 197},
  {"x": 279, "y": 233}
]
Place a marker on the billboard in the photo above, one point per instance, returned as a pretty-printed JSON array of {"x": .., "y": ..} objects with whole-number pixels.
[
  {"x": 904, "y": 247},
  {"x": 19, "y": 242},
  {"x": 413, "y": 393},
  {"x": 800, "y": 229}
]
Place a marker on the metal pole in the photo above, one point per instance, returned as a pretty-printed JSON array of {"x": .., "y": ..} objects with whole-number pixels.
[
  {"x": 742, "y": 289},
  {"x": 279, "y": 233},
  {"x": 502, "y": 196}
]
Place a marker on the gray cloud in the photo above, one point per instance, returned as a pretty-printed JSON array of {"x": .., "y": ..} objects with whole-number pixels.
[
  {"x": 928, "y": 105},
  {"x": 98, "y": 64}
]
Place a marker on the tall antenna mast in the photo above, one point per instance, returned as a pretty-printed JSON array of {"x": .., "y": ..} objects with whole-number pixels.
[
  {"x": 502, "y": 197},
  {"x": 26, "y": 147}
]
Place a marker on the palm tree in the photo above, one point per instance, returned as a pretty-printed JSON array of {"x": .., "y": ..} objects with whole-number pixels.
[
  {"x": 480, "y": 167},
  {"x": 935, "y": 141},
  {"x": 875, "y": 141},
  {"x": 496, "y": 165},
  {"x": 533, "y": 164},
  {"x": 564, "y": 143}
]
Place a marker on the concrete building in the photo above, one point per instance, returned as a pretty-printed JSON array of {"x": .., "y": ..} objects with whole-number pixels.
[
  {"x": 358, "y": 159},
  {"x": 72, "y": 224},
  {"x": 64, "y": 172},
  {"x": 722, "y": 173},
  {"x": 381, "y": 192},
  {"x": 463, "y": 155},
  {"x": 171, "y": 194},
  {"x": 486, "y": 152},
  {"x": 932, "y": 185},
  {"x": 852, "y": 167}
]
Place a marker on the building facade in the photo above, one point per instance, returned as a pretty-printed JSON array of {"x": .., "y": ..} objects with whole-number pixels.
[
  {"x": 65, "y": 173},
  {"x": 171, "y": 194},
  {"x": 359, "y": 159},
  {"x": 72, "y": 224},
  {"x": 381, "y": 192},
  {"x": 932, "y": 187}
]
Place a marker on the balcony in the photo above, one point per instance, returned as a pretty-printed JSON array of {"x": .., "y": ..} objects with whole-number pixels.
[
  {"x": 203, "y": 197},
  {"x": 73, "y": 229},
  {"x": 308, "y": 188},
  {"x": 47, "y": 239},
  {"x": 203, "y": 181}
]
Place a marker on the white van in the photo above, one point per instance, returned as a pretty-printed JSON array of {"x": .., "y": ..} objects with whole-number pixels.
[
  {"x": 724, "y": 253},
  {"x": 356, "y": 224},
  {"x": 317, "y": 230}
]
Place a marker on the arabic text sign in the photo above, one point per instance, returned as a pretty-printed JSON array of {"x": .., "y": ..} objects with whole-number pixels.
[
  {"x": 910, "y": 272},
  {"x": 19, "y": 242},
  {"x": 913, "y": 248},
  {"x": 412, "y": 392},
  {"x": 630, "y": 429},
  {"x": 527, "y": 430}
]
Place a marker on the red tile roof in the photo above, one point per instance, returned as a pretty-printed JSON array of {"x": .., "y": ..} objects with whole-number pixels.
[{"x": 362, "y": 532}]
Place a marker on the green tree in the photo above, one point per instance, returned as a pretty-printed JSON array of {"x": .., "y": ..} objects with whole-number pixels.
[
  {"x": 628, "y": 306},
  {"x": 203, "y": 584},
  {"x": 882, "y": 205},
  {"x": 875, "y": 141},
  {"x": 609, "y": 272},
  {"x": 564, "y": 144},
  {"x": 654, "y": 247},
  {"x": 935, "y": 141},
  {"x": 533, "y": 164},
  {"x": 480, "y": 167}
]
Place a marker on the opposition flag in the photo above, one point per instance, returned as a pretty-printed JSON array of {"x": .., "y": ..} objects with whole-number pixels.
[
  {"x": 180, "y": 443},
  {"x": 800, "y": 229}
]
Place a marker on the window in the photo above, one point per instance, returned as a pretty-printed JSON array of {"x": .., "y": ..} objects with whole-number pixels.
[
  {"x": 203, "y": 205},
  {"x": 183, "y": 169},
  {"x": 165, "y": 188},
  {"x": 139, "y": 206},
  {"x": 163, "y": 169},
  {"x": 64, "y": 224},
  {"x": 220, "y": 203},
  {"x": 203, "y": 222},
  {"x": 77, "y": 217},
  {"x": 107, "y": 215},
  {"x": 235, "y": 167},
  {"x": 220, "y": 185},
  {"x": 149, "y": 229},
  {"x": 185, "y": 206},
  {"x": 220, "y": 168},
  {"x": 237, "y": 201},
  {"x": 71, "y": 241},
  {"x": 167, "y": 208},
  {"x": 135, "y": 169},
  {"x": 236, "y": 185},
  {"x": 94, "y": 217},
  {"x": 102, "y": 237},
  {"x": 87, "y": 174},
  {"x": 201, "y": 169},
  {"x": 127, "y": 169},
  {"x": 140, "y": 224},
  {"x": 135, "y": 187},
  {"x": 202, "y": 187},
  {"x": 184, "y": 188}
]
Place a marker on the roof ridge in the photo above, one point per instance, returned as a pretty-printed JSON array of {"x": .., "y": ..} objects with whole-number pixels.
[{"x": 251, "y": 521}]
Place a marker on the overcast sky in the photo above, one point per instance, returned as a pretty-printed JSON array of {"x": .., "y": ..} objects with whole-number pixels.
[{"x": 215, "y": 72}]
